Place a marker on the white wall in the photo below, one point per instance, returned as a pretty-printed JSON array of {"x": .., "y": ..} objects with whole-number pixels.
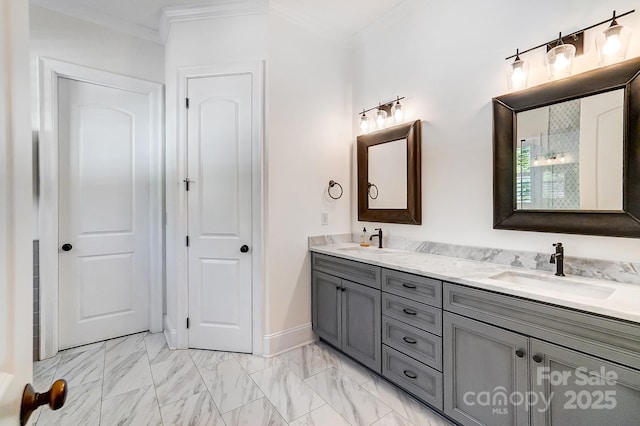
[
  {"x": 204, "y": 42},
  {"x": 448, "y": 60},
  {"x": 309, "y": 144}
]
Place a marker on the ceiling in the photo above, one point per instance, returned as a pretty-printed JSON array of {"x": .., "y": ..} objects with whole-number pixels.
[{"x": 142, "y": 17}]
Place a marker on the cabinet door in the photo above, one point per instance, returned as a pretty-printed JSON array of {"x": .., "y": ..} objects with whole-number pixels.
[
  {"x": 326, "y": 300},
  {"x": 361, "y": 324},
  {"x": 482, "y": 371},
  {"x": 581, "y": 390}
]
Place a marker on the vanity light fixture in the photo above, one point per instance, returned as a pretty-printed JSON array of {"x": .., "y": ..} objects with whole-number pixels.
[
  {"x": 398, "y": 114},
  {"x": 381, "y": 119},
  {"x": 383, "y": 112},
  {"x": 518, "y": 73},
  {"x": 364, "y": 122},
  {"x": 559, "y": 59},
  {"x": 612, "y": 46},
  {"x": 612, "y": 43}
]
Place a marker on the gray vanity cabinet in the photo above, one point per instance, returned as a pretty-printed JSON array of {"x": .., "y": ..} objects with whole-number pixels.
[
  {"x": 347, "y": 314},
  {"x": 326, "y": 309},
  {"x": 482, "y": 362},
  {"x": 361, "y": 326},
  {"x": 608, "y": 395}
]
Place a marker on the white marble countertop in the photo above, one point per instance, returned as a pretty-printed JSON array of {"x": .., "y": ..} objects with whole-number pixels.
[{"x": 622, "y": 303}]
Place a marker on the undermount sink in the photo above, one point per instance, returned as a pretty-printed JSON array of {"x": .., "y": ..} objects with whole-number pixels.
[
  {"x": 561, "y": 285},
  {"x": 370, "y": 249}
]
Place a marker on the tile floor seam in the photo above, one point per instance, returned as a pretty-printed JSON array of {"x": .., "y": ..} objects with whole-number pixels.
[
  {"x": 101, "y": 387},
  {"x": 206, "y": 387},
  {"x": 271, "y": 402},
  {"x": 153, "y": 383}
]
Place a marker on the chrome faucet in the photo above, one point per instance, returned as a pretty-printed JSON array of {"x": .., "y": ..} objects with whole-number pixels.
[
  {"x": 379, "y": 235},
  {"x": 558, "y": 259}
]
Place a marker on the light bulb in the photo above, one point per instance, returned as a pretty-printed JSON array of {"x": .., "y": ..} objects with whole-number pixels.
[
  {"x": 548, "y": 160},
  {"x": 517, "y": 76},
  {"x": 612, "y": 45},
  {"x": 562, "y": 159},
  {"x": 364, "y": 123},
  {"x": 381, "y": 117},
  {"x": 397, "y": 113},
  {"x": 560, "y": 63},
  {"x": 535, "y": 162}
]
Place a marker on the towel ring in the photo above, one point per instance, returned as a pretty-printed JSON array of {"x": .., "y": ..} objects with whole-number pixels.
[
  {"x": 369, "y": 186},
  {"x": 333, "y": 183}
]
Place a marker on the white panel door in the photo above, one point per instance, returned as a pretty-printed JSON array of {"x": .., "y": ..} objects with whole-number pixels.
[
  {"x": 104, "y": 143},
  {"x": 219, "y": 138}
]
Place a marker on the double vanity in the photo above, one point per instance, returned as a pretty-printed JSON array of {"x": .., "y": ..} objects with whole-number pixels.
[{"x": 483, "y": 343}]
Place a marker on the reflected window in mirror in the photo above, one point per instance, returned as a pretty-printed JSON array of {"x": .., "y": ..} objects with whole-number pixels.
[{"x": 569, "y": 155}]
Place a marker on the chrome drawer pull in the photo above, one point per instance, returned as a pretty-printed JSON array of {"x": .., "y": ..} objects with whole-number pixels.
[
  {"x": 410, "y": 340},
  {"x": 409, "y": 311},
  {"x": 410, "y": 374},
  {"x": 405, "y": 285}
]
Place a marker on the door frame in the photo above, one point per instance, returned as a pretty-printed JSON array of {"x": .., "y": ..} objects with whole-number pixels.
[
  {"x": 49, "y": 72},
  {"x": 180, "y": 251}
]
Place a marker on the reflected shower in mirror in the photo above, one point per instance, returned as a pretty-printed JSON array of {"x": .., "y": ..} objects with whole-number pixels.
[
  {"x": 569, "y": 155},
  {"x": 388, "y": 175}
]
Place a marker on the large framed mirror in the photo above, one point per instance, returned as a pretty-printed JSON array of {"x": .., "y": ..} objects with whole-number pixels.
[
  {"x": 566, "y": 155},
  {"x": 389, "y": 175}
]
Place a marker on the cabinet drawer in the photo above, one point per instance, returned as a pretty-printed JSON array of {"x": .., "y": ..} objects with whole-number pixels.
[
  {"x": 418, "y": 344},
  {"x": 600, "y": 336},
  {"x": 425, "y": 317},
  {"x": 412, "y": 376},
  {"x": 353, "y": 271},
  {"x": 414, "y": 287}
]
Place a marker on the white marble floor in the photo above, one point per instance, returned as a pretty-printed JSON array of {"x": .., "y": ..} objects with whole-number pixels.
[{"x": 138, "y": 380}]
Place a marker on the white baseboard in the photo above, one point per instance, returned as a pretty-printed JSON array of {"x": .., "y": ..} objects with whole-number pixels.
[
  {"x": 283, "y": 341},
  {"x": 170, "y": 333}
]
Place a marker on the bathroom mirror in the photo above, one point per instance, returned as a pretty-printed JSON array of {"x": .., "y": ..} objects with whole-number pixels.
[
  {"x": 389, "y": 182},
  {"x": 567, "y": 155}
]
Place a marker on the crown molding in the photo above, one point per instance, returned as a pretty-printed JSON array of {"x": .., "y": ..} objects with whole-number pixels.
[
  {"x": 228, "y": 8},
  {"x": 84, "y": 13},
  {"x": 295, "y": 16}
]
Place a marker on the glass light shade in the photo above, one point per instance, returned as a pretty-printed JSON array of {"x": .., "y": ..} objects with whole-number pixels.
[
  {"x": 364, "y": 123},
  {"x": 612, "y": 44},
  {"x": 518, "y": 74},
  {"x": 560, "y": 61},
  {"x": 381, "y": 119},
  {"x": 398, "y": 115}
]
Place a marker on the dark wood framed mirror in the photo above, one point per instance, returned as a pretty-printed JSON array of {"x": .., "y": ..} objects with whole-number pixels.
[
  {"x": 517, "y": 156},
  {"x": 389, "y": 175}
]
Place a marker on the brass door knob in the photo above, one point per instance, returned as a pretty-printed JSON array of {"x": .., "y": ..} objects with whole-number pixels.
[{"x": 31, "y": 400}]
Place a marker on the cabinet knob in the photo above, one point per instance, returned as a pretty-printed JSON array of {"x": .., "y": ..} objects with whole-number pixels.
[
  {"x": 338, "y": 287},
  {"x": 244, "y": 249},
  {"x": 31, "y": 400},
  {"x": 537, "y": 359},
  {"x": 409, "y": 311},
  {"x": 66, "y": 247},
  {"x": 520, "y": 353},
  {"x": 410, "y": 340},
  {"x": 409, "y": 286}
]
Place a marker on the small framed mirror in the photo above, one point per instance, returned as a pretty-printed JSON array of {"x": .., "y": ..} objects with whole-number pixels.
[
  {"x": 389, "y": 175},
  {"x": 567, "y": 155}
]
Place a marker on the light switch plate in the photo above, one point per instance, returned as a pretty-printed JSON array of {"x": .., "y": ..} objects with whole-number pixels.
[{"x": 324, "y": 218}]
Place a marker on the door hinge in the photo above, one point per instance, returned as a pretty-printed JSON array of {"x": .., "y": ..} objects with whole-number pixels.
[
  {"x": 187, "y": 103},
  {"x": 187, "y": 322},
  {"x": 186, "y": 184},
  {"x": 187, "y": 241}
]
